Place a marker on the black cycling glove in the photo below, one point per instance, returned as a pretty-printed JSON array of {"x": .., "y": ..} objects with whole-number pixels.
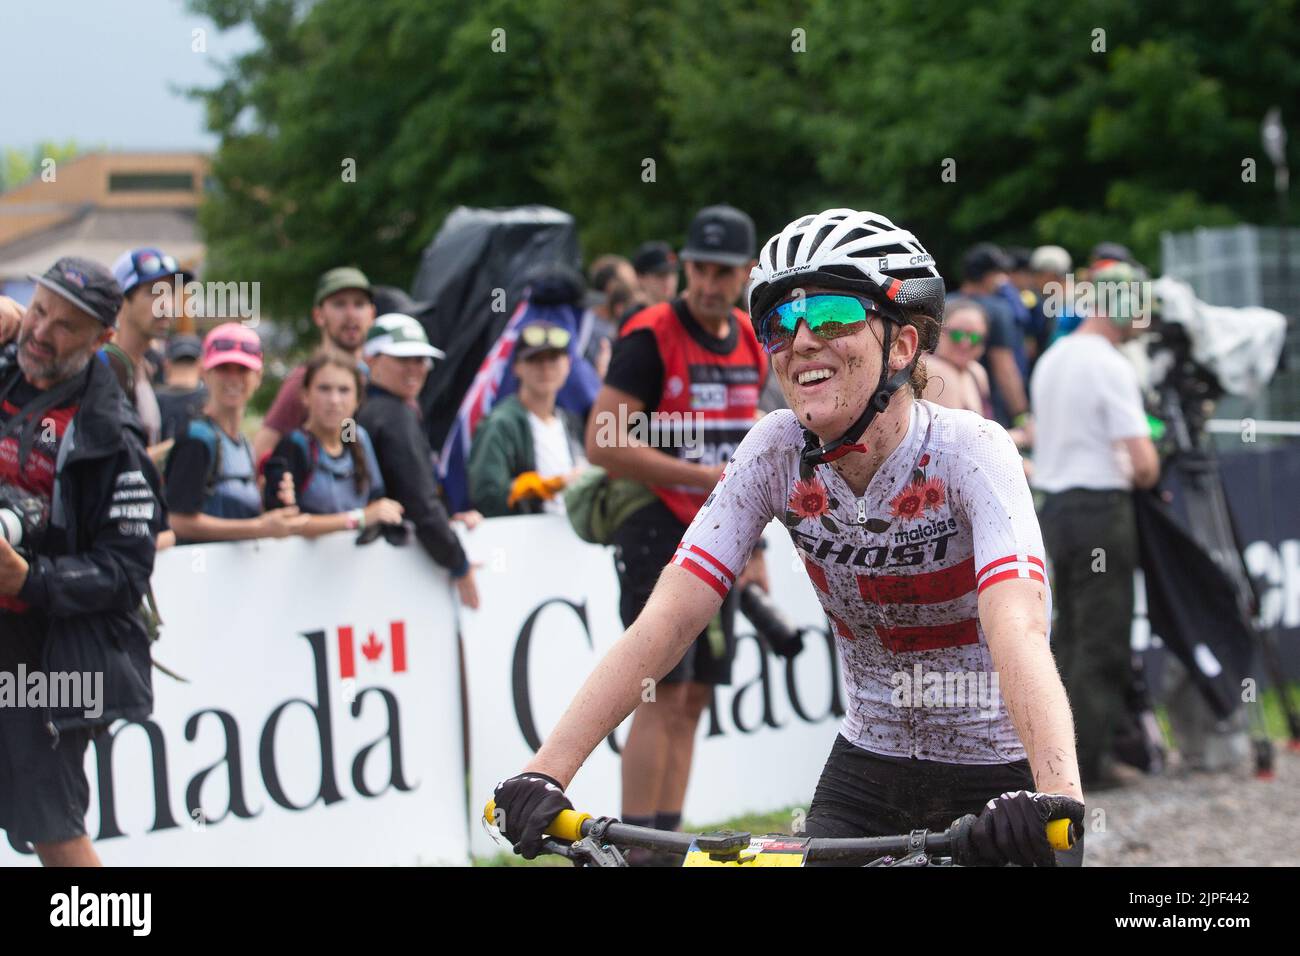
[
  {"x": 1012, "y": 828},
  {"x": 525, "y": 805}
]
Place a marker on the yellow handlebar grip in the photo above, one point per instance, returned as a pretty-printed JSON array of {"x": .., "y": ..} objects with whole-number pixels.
[
  {"x": 567, "y": 824},
  {"x": 1058, "y": 834}
]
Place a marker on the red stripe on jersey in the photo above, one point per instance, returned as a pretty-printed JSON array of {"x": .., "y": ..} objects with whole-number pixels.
[
  {"x": 712, "y": 560},
  {"x": 817, "y": 575},
  {"x": 1030, "y": 574},
  {"x": 930, "y": 587},
  {"x": 709, "y": 579},
  {"x": 1014, "y": 558},
  {"x": 919, "y": 638},
  {"x": 841, "y": 628}
]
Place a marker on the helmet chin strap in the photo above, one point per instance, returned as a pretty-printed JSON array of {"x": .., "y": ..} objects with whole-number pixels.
[{"x": 885, "y": 389}]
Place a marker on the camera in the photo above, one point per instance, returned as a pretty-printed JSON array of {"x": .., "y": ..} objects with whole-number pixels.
[
  {"x": 23, "y": 517},
  {"x": 773, "y": 627}
]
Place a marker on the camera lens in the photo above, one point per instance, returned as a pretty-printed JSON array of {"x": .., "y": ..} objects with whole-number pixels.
[{"x": 11, "y": 528}]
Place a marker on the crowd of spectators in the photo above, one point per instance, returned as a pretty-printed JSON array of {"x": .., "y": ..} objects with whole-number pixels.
[{"x": 343, "y": 447}]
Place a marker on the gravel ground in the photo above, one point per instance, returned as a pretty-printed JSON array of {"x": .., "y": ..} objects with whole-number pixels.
[{"x": 1199, "y": 819}]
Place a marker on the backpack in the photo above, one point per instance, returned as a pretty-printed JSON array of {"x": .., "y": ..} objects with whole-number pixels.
[
  {"x": 120, "y": 364},
  {"x": 202, "y": 430},
  {"x": 597, "y": 505},
  {"x": 311, "y": 450}
]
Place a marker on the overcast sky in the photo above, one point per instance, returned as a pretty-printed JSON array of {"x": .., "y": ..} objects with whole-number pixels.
[{"x": 106, "y": 72}]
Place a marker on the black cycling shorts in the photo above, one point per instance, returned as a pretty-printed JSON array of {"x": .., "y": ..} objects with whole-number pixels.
[
  {"x": 644, "y": 545},
  {"x": 44, "y": 793},
  {"x": 863, "y": 794}
]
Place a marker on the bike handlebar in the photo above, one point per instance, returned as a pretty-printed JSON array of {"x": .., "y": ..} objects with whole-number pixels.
[{"x": 572, "y": 825}]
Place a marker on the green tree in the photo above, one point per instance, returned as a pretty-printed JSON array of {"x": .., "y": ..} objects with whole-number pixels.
[
  {"x": 18, "y": 165},
  {"x": 1065, "y": 124},
  {"x": 354, "y": 128},
  {"x": 1058, "y": 133}
]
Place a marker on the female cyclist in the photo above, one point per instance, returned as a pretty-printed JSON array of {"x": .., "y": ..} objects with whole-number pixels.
[{"x": 919, "y": 535}]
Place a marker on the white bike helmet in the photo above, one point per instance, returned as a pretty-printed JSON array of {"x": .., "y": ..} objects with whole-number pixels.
[{"x": 857, "y": 251}]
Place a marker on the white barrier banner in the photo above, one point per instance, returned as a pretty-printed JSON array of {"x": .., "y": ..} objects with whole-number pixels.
[
  {"x": 550, "y": 611},
  {"x": 321, "y": 724}
]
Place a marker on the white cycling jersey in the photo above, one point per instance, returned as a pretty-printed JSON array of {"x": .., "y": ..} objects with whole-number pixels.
[{"x": 897, "y": 570}]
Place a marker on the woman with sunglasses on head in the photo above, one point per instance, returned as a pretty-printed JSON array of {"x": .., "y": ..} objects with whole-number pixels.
[
  {"x": 331, "y": 459},
  {"x": 918, "y": 532},
  {"x": 527, "y": 450},
  {"x": 955, "y": 377},
  {"x": 211, "y": 485}
]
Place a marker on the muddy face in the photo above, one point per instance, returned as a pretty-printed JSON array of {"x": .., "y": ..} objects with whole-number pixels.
[{"x": 828, "y": 382}]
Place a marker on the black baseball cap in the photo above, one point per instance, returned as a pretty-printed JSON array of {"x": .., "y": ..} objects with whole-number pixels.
[
  {"x": 721, "y": 234},
  {"x": 654, "y": 258},
  {"x": 983, "y": 258},
  {"x": 181, "y": 347},
  {"x": 1019, "y": 256},
  {"x": 87, "y": 285}
]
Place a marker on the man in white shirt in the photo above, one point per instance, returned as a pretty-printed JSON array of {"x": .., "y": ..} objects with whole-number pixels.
[{"x": 1092, "y": 448}]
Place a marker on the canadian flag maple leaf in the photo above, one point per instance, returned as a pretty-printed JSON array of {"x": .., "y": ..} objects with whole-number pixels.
[{"x": 372, "y": 648}]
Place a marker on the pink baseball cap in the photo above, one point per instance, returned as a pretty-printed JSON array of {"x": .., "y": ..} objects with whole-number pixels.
[{"x": 232, "y": 343}]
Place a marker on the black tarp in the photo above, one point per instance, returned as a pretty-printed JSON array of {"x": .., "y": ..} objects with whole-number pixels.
[
  {"x": 476, "y": 253},
  {"x": 1192, "y": 605}
]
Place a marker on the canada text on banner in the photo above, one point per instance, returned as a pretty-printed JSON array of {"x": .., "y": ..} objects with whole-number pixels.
[
  {"x": 321, "y": 724},
  {"x": 550, "y": 611}
]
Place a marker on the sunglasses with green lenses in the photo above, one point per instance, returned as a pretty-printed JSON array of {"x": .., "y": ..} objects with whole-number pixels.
[
  {"x": 827, "y": 315},
  {"x": 958, "y": 337}
]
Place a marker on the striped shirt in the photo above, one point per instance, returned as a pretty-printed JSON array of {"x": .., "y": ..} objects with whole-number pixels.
[{"x": 898, "y": 571}]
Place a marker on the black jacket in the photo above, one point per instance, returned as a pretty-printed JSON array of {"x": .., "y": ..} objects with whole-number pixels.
[
  {"x": 97, "y": 555},
  {"x": 406, "y": 461}
]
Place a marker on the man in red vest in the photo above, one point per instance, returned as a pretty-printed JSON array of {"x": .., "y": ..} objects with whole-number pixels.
[{"x": 680, "y": 393}]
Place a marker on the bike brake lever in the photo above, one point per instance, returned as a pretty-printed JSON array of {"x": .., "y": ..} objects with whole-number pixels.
[{"x": 594, "y": 853}]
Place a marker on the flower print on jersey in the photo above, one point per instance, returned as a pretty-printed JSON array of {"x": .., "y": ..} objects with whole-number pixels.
[
  {"x": 920, "y": 496},
  {"x": 809, "y": 499},
  {"x": 908, "y": 503},
  {"x": 933, "y": 494}
]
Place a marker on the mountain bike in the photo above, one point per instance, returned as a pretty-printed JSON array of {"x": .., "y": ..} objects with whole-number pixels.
[{"x": 585, "y": 840}]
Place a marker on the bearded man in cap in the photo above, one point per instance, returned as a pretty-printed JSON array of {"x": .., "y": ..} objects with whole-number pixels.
[{"x": 79, "y": 511}]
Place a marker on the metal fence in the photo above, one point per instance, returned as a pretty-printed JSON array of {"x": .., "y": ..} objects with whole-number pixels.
[{"x": 1240, "y": 266}]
